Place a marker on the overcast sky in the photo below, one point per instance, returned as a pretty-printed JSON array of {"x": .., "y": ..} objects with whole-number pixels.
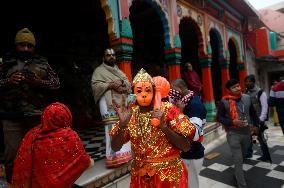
[{"x": 258, "y": 4}]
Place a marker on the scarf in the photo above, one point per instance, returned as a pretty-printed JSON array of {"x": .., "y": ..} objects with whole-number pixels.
[
  {"x": 51, "y": 154},
  {"x": 175, "y": 96},
  {"x": 232, "y": 103}
]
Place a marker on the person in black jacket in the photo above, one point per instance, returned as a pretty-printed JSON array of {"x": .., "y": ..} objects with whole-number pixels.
[{"x": 194, "y": 109}]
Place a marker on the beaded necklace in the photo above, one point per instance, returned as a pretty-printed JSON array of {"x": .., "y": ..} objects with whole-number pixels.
[{"x": 143, "y": 119}]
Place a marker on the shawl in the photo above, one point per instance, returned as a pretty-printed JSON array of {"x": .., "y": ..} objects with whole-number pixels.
[
  {"x": 51, "y": 154},
  {"x": 192, "y": 80},
  {"x": 101, "y": 78}
]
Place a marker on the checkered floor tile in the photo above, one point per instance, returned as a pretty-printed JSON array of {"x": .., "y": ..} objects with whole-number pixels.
[
  {"x": 257, "y": 173},
  {"x": 94, "y": 141}
]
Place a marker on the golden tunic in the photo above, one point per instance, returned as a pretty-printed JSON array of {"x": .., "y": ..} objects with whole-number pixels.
[{"x": 153, "y": 154}]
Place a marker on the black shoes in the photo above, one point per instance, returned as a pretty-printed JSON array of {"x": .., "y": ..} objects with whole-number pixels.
[
  {"x": 264, "y": 159},
  {"x": 248, "y": 156}
]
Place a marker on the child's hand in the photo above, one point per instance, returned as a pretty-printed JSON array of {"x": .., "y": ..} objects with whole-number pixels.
[
  {"x": 180, "y": 105},
  {"x": 123, "y": 111},
  {"x": 158, "y": 114}
]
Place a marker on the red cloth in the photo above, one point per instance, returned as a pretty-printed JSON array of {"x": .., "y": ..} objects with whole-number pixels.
[
  {"x": 156, "y": 161},
  {"x": 278, "y": 87},
  {"x": 51, "y": 154},
  {"x": 155, "y": 181},
  {"x": 192, "y": 80},
  {"x": 232, "y": 103}
]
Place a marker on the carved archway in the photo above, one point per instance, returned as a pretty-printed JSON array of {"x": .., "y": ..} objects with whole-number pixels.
[
  {"x": 109, "y": 18},
  {"x": 234, "y": 40},
  {"x": 191, "y": 42},
  {"x": 150, "y": 37},
  {"x": 216, "y": 62},
  {"x": 163, "y": 17},
  {"x": 234, "y": 58}
]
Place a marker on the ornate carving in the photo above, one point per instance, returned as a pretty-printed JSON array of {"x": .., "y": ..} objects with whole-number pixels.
[
  {"x": 189, "y": 12},
  {"x": 199, "y": 20},
  {"x": 179, "y": 10}
]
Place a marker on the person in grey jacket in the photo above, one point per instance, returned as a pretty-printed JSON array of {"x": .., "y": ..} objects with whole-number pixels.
[
  {"x": 239, "y": 118},
  {"x": 259, "y": 101}
]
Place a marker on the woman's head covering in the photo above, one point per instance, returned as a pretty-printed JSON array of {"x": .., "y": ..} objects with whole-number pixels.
[
  {"x": 51, "y": 154},
  {"x": 56, "y": 115}
]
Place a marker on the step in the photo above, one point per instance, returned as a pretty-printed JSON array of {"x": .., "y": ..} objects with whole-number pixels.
[{"x": 100, "y": 176}]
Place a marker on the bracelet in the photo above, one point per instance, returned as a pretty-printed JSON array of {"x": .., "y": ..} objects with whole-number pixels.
[{"x": 120, "y": 128}]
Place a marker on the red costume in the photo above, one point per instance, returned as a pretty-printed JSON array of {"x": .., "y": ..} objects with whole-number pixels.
[
  {"x": 51, "y": 154},
  {"x": 156, "y": 161}
]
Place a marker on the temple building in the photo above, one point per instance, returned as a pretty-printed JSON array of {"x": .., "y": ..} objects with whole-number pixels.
[
  {"x": 158, "y": 35},
  {"x": 267, "y": 43},
  {"x": 220, "y": 39}
]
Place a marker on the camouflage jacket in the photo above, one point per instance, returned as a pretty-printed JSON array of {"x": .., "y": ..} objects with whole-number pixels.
[{"x": 25, "y": 99}]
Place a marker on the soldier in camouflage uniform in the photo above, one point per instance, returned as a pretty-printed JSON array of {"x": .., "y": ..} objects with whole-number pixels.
[{"x": 24, "y": 80}]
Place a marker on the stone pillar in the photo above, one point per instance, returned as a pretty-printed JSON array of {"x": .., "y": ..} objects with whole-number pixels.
[
  {"x": 242, "y": 74},
  {"x": 173, "y": 57},
  {"x": 124, "y": 9},
  {"x": 174, "y": 72},
  {"x": 124, "y": 48},
  {"x": 208, "y": 94}
]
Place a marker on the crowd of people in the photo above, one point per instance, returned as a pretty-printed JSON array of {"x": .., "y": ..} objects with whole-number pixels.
[{"x": 161, "y": 136}]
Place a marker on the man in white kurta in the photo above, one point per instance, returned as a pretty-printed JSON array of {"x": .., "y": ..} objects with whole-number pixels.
[{"x": 109, "y": 82}]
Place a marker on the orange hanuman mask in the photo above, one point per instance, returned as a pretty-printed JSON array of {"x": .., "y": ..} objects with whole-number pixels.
[{"x": 144, "y": 93}]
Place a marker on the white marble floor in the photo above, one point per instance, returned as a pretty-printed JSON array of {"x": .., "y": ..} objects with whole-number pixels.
[
  {"x": 275, "y": 137},
  {"x": 209, "y": 183},
  {"x": 275, "y": 171}
]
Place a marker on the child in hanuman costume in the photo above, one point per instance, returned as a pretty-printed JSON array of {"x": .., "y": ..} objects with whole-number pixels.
[{"x": 156, "y": 149}]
